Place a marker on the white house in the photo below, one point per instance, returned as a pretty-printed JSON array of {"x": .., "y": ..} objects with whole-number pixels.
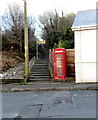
[{"x": 85, "y": 29}]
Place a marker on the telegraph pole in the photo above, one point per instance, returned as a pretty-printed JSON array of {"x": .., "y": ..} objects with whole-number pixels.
[
  {"x": 36, "y": 49},
  {"x": 26, "y": 42}
]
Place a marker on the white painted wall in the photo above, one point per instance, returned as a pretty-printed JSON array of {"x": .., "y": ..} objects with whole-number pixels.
[{"x": 85, "y": 56}]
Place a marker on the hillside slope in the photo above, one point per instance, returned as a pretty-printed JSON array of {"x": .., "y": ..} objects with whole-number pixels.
[{"x": 9, "y": 59}]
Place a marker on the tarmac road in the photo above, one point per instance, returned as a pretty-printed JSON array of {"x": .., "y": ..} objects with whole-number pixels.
[{"x": 55, "y": 104}]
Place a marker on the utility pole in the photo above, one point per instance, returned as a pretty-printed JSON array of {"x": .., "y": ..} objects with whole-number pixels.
[
  {"x": 26, "y": 42},
  {"x": 36, "y": 49},
  {"x": 0, "y": 35}
]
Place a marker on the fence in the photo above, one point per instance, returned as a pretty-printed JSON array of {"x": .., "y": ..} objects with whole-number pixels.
[
  {"x": 70, "y": 53},
  {"x": 70, "y": 62}
]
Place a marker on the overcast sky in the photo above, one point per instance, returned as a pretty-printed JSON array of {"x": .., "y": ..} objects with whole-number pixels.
[{"x": 37, "y": 7}]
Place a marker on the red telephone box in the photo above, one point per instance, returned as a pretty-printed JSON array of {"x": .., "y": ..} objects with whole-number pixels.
[{"x": 59, "y": 61}]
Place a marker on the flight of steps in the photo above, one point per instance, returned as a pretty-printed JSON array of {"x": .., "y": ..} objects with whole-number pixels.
[{"x": 40, "y": 72}]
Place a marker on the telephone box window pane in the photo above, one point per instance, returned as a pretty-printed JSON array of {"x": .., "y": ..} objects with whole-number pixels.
[{"x": 59, "y": 65}]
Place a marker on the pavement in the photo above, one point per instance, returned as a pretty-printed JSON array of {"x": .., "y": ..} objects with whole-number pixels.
[
  {"x": 49, "y": 100},
  {"x": 49, "y": 104},
  {"x": 48, "y": 86}
]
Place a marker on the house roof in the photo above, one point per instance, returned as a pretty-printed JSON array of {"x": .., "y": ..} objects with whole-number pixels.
[{"x": 85, "y": 18}]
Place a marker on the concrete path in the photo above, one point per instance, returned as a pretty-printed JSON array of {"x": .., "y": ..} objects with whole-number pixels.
[
  {"x": 49, "y": 86},
  {"x": 49, "y": 104}
]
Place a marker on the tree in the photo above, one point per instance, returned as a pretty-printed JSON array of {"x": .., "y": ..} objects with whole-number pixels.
[
  {"x": 56, "y": 29},
  {"x": 13, "y": 24},
  {"x": 46, "y": 27},
  {"x": 13, "y": 21}
]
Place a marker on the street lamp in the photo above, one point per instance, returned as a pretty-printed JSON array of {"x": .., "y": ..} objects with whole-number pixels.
[{"x": 26, "y": 42}]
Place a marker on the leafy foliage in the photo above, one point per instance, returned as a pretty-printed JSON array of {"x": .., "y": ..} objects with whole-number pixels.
[{"x": 56, "y": 30}]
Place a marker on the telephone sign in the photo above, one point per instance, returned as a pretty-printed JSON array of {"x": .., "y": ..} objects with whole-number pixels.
[{"x": 59, "y": 63}]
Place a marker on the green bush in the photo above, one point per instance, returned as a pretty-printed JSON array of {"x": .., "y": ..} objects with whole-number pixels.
[{"x": 67, "y": 44}]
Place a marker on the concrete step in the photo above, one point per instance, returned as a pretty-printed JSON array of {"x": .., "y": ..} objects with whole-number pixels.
[
  {"x": 39, "y": 76},
  {"x": 68, "y": 80},
  {"x": 40, "y": 72},
  {"x": 49, "y": 83},
  {"x": 42, "y": 62},
  {"x": 39, "y": 79},
  {"x": 46, "y": 68},
  {"x": 39, "y": 64},
  {"x": 42, "y": 69}
]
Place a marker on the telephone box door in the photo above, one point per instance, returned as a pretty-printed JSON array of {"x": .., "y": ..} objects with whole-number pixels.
[{"x": 59, "y": 61}]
